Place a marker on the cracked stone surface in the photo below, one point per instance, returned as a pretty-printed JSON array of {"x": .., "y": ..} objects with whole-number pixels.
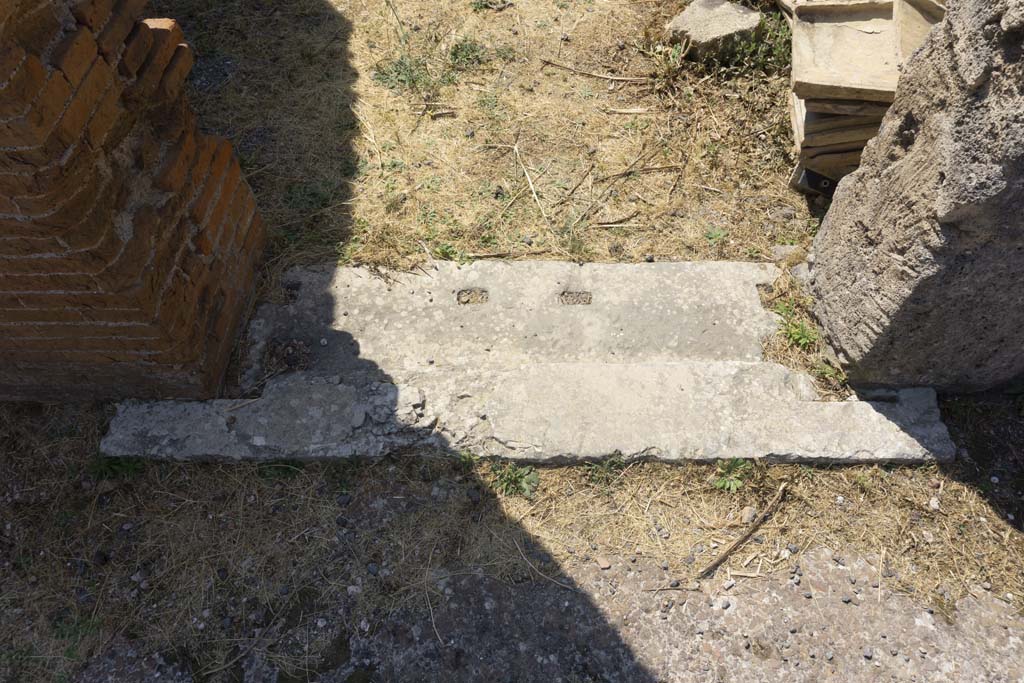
[{"x": 554, "y": 362}]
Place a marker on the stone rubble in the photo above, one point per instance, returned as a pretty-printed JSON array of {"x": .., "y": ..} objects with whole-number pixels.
[
  {"x": 713, "y": 28},
  {"x": 847, "y": 56}
]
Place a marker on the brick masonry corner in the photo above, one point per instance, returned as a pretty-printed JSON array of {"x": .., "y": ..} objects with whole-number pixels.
[{"x": 128, "y": 239}]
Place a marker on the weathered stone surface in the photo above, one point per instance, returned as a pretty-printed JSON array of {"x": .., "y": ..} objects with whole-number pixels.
[
  {"x": 532, "y": 313},
  {"x": 917, "y": 270},
  {"x": 845, "y": 51},
  {"x": 712, "y": 27},
  {"x": 552, "y": 413},
  {"x": 663, "y": 363}
]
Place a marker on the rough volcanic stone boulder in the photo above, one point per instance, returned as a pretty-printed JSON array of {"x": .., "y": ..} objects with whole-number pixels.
[
  {"x": 919, "y": 265},
  {"x": 713, "y": 27}
]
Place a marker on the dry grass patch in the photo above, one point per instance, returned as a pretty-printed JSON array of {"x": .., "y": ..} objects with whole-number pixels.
[
  {"x": 377, "y": 133},
  {"x": 799, "y": 343}
]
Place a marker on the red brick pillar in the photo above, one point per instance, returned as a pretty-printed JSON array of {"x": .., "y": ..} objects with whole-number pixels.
[{"x": 127, "y": 237}]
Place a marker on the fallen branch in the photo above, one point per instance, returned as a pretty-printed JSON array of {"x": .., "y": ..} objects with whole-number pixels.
[
  {"x": 768, "y": 511},
  {"x": 639, "y": 171},
  {"x": 607, "y": 77},
  {"x": 594, "y": 204},
  {"x": 576, "y": 186},
  {"x": 508, "y": 254},
  {"x": 529, "y": 179},
  {"x": 617, "y": 221}
]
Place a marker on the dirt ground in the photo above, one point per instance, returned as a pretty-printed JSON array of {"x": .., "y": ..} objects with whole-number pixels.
[
  {"x": 206, "y": 564},
  {"x": 378, "y": 132}
]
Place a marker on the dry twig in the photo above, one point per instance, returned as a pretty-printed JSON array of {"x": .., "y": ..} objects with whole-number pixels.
[
  {"x": 607, "y": 77},
  {"x": 768, "y": 511}
]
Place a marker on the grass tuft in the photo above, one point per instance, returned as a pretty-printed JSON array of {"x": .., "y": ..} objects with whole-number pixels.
[
  {"x": 404, "y": 73},
  {"x": 730, "y": 474},
  {"x": 515, "y": 480},
  {"x": 468, "y": 54}
]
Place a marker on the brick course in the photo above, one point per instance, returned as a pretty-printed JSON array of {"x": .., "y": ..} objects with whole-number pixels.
[{"x": 128, "y": 239}]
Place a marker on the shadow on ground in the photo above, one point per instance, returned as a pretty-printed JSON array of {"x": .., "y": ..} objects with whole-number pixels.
[
  {"x": 300, "y": 571},
  {"x": 989, "y": 431}
]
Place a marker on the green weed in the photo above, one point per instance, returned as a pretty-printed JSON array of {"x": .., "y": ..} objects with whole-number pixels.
[
  {"x": 305, "y": 198},
  {"x": 447, "y": 252},
  {"x": 488, "y": 103},
  {"x": 468, "y": 54},
  {"x": 511, "y": 479},
  {"x": 797, "y": 331},
  {"x": 467, "y": 461},
  {"x": 606, "y": 473},
  {"x": 768, "y": 51},
  {"x": 715, "y": 236},
  {"x": 481, "y": 5},
  {"x": 730, "y": 474},
  {"x": 100, "y": 467},
  {"x": 280, "y": 470},
  {"x": 830, "y": 373},
  {"x": 74, "y": 631},
  {"x": 505, "y": 53},
  {"x": 404, "y": 73}
]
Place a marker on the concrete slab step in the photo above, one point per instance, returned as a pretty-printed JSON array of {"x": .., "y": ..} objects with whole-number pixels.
[
  {"x": 545, "y": 362},
  {"x": 500, "y": 313},
  {"x": 547, "y": 412}
]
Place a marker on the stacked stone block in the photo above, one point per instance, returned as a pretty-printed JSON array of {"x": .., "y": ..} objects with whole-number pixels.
[{"x": 128, "y": 238}]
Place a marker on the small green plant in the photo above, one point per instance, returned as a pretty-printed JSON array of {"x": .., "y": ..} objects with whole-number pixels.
[
  {"x": 280, "y": 470},
  {"x": 467, "y": 461},
  {"x": 307, "y": 197},
  {"x": 715, "y": 236},
  {"x": 468, "y": 54},
  {"x": 668, "y": 61},
  {"x": 447, "y": 252},
  {"x": 505, "y": 53},
  {"x": 488, "y": 103},
  {"x": 606, "y": 473},
  {"x": 115, "y": 468},
  {"x": 766, "y": 51},
  {"x": 769, "y": 51},
  {"x": 481, "y": 5},
  {"x": 404, "y": 73},
  {"x": 73, "y": 631},
  {"x": 511, "y": 479},
  {"x": 797, "y": 331},
  {"x": 829, "y": 373},
  {"x": 730, "y": 474},
  {"x": 800, "y": 334},
  {"x": 713, "y": 153}
]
